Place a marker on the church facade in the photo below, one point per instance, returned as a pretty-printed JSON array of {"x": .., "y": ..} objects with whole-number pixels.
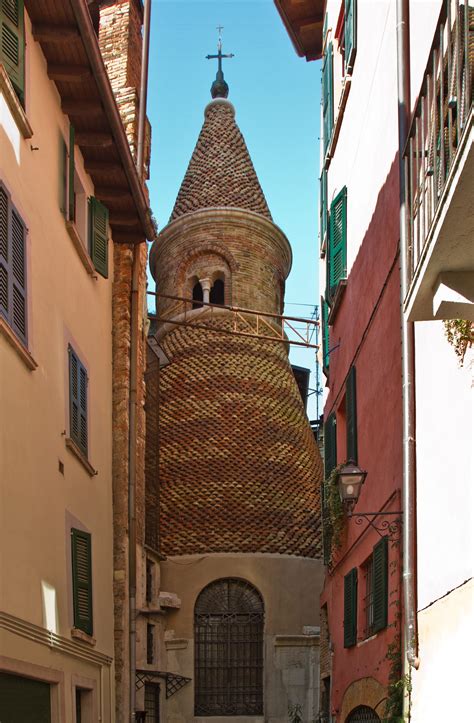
[{"x": 236, "y": 486}]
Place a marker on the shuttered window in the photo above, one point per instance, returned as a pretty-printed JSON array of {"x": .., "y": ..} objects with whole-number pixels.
[
  {"x": 380, "y": 584},
  {"x": 330, "y": 449},
  {"x": 12, "y": 43},
  {"x": 98, "y": 236},
  {"x": 351, "y": 415},
  {"x": 323, "y": 207},
  {"x": 337, "y": 243},
  {"x": 77, "y": 401},
  {"x": 327, "y": 98},
  {"x": 82, "y": 580},
  {"x": 350, "y": 608},
  {"x": 350, "y": 34},
  {"x": 13, "y": 305},
  {"x": 325, "y": 335},
  {"x": 71, "y": 198}
]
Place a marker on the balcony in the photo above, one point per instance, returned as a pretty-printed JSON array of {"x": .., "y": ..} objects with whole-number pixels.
[{"x": 439, "y": 172}]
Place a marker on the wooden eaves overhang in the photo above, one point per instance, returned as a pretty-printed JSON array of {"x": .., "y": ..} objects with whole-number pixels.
[
  {"x": 65, "y": 32},
  {"x": 304, "y": 20}
]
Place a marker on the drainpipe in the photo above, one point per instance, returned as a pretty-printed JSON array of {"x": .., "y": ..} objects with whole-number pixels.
[
  {"x": 134, "y": 332},
  {"x": 408, "y": 349}
]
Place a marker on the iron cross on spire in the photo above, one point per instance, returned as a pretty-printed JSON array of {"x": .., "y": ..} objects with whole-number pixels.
[{"x": 219, "y": 88}]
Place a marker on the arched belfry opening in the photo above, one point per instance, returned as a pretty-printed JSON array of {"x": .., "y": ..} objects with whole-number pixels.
[
  {"x": 197, "y": 295},
  {"x": 217, "y": 292},
  {"x": 228, "y": 644},
  {"x": 362, "y": 714}
]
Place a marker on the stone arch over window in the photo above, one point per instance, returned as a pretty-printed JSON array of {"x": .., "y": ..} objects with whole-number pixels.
[
  {"x": 209, "y": 261},
  {"x": 364, "y": 693},
  {"x": 228, "y": 649},
  {"x": 363, "y": 714}
]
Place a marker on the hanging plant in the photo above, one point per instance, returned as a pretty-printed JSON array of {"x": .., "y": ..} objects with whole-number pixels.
[
  {"x": 460, "y": 334},
  {"x": 333, "y": 513}
]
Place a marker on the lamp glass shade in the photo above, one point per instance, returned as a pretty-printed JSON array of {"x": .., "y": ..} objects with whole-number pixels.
[{"x": 350, "y": 480}]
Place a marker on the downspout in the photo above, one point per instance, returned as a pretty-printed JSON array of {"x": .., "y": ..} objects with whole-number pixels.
[
  {"x": 408, "y": 349},
  {"x": 134, "y": 332}
]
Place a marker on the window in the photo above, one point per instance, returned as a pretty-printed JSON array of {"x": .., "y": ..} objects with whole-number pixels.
[
  {"x": 12, "y": 267},
  {"x": 323, "y": 209},
  {"x": 350, "y": 608},
  {"x": 24, "y": 699},
  {"x": 228, "y": 627},
  {"x": 150, "y": 643},
  {"x": 363, "y": 714},
  {"x": 350, "y": 34},
  {"x": 336, "y": 263},
  {"x": 82, "y": 580},
  {"x": 12, "y": 44},
  {"x": 197, "y": 295},
  {"x": 368, "y": 570},
  {"x": 330, "y": 445},
  {"x": 217, "y": 292},
  {"x": 98, "y": 236},
  {"x": 149, "y": 581},
  {"x": 327, "y": 97},
  {"x": 77, "y": 402},
  {"x": 351, "y": 416},
  {"x": 152, "y": 703},
  {"x": 376, "y": 588}
]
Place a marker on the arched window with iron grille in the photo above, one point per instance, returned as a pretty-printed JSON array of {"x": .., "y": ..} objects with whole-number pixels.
[
  {"x": 228, "y": 636},
  {"x": 362, "y": 714}
]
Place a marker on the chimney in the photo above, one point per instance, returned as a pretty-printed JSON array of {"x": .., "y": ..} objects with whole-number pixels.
[{"x": 120, "y": 41}]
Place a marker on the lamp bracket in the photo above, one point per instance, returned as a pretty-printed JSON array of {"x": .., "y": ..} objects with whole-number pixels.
[{"x": 386, "y": 528}]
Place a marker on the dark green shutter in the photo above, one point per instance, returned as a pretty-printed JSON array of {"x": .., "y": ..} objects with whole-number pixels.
[
  {"x": 327, "y": 98},
  {"x": 71, "y": 171},
  {"x": 337, "y": 246},
  {"x": 12, "y": 43},
  {"x": 325, "y": 335},
  {"x": 325, "y": 28},
  {"x": 98, "y": 236},
  {"x": 351, "y": 415},
  {"x": 24, "y": 699},
  {"x": 380, "y": 584},
  {"x": 350, "y": 608},
  {"x": 77, "y": 402},
  {"x": 82, "y": 580},
  {"x": 323, "y": 206},
  {"x": 350, "y": 34},
  {"x": 12, "y": 267},
  {"x": 63, "y": 176},
  {"x": 330, "y": 448}
]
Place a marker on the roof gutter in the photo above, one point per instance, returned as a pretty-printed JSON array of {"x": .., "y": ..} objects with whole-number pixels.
[
  {"x": 408, "y": 350},
  {"x": 92, "y": 49}
]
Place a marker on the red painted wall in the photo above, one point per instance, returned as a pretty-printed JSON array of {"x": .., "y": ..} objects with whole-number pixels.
[{"x": 366, "y": 333}]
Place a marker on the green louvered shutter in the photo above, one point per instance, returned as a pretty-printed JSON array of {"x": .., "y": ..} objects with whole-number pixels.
[
  {"x": 98, "y": 236},
  {"x": 323, "y": 206},
  {"x": 71, "y": 198},
  {"x": 351, "y": 415},
  {"x": 325, "y": 335},
  {"x": 13, "y": 304},
  {"x": 4, "y": 256},
  {"x": 350, "y": 34},
  {"x": 380, "y": 584},
  {"x": 12, "y": 43},
  {"x": 325, "y": 28},
  {"x": 63, "y": 176},
  {"x": 330, "y": 448},
  {"x": 77, "y": 402},
  {"x": 337, "y": 246},
  {"x": 350, "y": 608},
  {"x": 82, "y": 580},
  {"x": 327, "y": 98}
]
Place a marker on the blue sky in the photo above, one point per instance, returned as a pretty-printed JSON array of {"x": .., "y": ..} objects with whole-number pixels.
[{"x": 276, "y": 95}]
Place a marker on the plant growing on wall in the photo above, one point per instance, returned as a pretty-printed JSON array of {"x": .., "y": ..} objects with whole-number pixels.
[
  {"x": 460, "y": 334},
  {"x": 333, "y": 514}
]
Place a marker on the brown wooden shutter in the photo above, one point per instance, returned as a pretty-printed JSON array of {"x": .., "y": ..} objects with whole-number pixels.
[
  {"x": 350, "y": 608},
  {"x": 98, "y": 236},
  {"x": 12, "y": 43},
  {"x": 351, "y": 415},
  {"x": 380, "y": 584},
  {"x": 82, "y": 580}
]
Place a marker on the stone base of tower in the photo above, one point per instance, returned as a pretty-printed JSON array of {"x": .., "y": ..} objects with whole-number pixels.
[{"x": 289, "y": 587}]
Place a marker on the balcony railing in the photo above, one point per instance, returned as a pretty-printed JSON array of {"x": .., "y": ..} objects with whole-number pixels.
[{"x": 440, "y": 125}]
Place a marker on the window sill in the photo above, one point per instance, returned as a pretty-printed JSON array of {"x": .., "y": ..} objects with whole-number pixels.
[
  {"x": 17, "y": 345},
  {"x": 336, "y": 302},
  {"x": 82, "y": 636},
  {"x": 81, "y": 251},
  {"x": 366, "y": 640},
  {"x": 346, "y": 86},
  {"x": 72, "y": 447},
  {"x": 14, "y": 104}
]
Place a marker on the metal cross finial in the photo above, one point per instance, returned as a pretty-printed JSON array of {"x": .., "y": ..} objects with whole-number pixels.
[{"x": 219, "y": 88}]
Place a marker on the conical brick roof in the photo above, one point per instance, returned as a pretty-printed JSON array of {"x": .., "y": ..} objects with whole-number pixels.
[{"x": 220, "y": 172}]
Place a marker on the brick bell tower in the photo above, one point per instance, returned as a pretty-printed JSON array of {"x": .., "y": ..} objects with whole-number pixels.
[{"x": 239, "y": 470}]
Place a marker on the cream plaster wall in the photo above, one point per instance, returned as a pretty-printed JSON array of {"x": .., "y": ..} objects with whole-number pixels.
[
  {"x": 65, "y": 304},
  {"x": 290, "y": 588},
  {"x": 443, "y": 681}
]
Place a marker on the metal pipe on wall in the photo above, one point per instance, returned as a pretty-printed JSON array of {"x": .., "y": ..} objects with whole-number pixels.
[
  {"x": 143, "y": 87},
  {"x": 408, "y": 349}
]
